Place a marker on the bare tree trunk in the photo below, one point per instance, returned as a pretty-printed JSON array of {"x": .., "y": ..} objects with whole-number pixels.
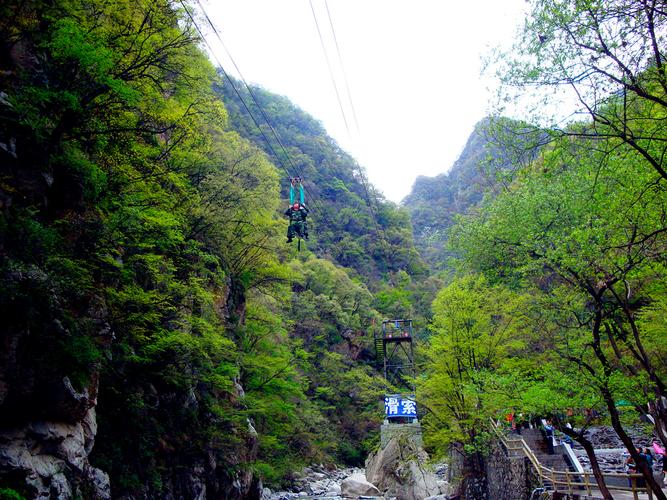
[
  {"x": 639, "y": 460},
  {"x": 606, "y": 394},
  {"x": 590, "y": 452},
  {"x": 658, "y": 410}
]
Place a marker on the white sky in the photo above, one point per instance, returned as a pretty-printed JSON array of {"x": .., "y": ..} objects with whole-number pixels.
[{"x": 413, "y": 68}]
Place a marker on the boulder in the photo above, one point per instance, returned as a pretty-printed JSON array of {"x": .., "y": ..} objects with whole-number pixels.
[
  {"x": 400, "y": 469},
  {"x": 444, "y": 487},
  {"x": 356, "y": 486},
  {"x": 334, "y": 491},
  {"x": 318, "y": 487}
]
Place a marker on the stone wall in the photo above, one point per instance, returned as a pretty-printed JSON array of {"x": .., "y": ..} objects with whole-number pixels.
[
  {"x": 509, "y": 478},
  {"x": 466, "y": 480}
]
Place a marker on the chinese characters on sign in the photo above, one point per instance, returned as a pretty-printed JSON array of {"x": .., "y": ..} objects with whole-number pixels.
[{"x": 395, "y": 406}]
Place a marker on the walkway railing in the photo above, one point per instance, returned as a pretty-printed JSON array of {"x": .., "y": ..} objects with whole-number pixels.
[{"x": 573, "y": 483}]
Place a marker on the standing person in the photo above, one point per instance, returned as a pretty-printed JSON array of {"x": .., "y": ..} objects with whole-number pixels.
[
  {"x": 649, "y": 458},
  {"x": 509, "y": 418},
  {"x": 519, "y": 422},
  {"x": 659, "y": 475},
  {"x": 633, "y": 469},
  {"x": 549, "y": 434}
]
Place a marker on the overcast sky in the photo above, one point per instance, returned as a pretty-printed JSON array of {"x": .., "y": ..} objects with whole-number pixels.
[{"x": 413, "y": 68}]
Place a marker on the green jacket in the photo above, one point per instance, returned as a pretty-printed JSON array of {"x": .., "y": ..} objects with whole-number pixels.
[{"x": 297, "y": 215}]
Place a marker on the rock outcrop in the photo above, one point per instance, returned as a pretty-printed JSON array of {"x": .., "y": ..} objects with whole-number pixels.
[
  {"x": 400, "y": 469},
  {"x": 50, "y": 458},
  {"x": 47, "y": 419}
]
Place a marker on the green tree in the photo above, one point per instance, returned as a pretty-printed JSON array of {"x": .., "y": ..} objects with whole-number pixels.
[
  {"x": 584, "y": 226},
  {"x": 607, "y": 55},
  {"x": 475, "y": 331}
]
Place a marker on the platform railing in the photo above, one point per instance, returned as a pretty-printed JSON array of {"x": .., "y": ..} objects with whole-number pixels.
[{"x": 565, "y": 481}]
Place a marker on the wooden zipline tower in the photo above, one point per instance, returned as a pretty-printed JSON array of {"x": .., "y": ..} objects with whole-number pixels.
[{"x": 395, "y": 347}]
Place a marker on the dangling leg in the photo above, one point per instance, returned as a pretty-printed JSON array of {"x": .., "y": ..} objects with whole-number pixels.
[
  {"x": 298, "y": 229},
  {"x": 290, "y": 233},
  {"x": 305, "y": 230}
]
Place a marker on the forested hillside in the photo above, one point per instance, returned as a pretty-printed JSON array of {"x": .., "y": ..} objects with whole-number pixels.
[
  {"x": 495, "y": 148},
  {"x": 159, "y": 337},
  {"x": 355, "y": 225}
]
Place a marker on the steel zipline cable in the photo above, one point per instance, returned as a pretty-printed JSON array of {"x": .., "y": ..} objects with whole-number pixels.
[
  {"x": 342, "y": 67},
  {"x": 379, "y": 231},
  {"x": 240, "y": 97},
  {"x": 257, "y": 104},
  {"x": 231, "y": 82},
  {"x": 252, "y": 94},
  {"x": 331, "y": 74}
]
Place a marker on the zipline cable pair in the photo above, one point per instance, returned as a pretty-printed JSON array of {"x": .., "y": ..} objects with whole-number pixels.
[
  {"x": 362, "y": 179},
  {"x": 379, "y": 232},
  {"x": 252, "y": 95}
]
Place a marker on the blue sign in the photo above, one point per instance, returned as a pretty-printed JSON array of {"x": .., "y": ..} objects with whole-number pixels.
[{"x": 396, "y": 406}]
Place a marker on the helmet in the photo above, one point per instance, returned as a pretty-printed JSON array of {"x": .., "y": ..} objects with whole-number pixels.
[{"x": 296, "y": 205}]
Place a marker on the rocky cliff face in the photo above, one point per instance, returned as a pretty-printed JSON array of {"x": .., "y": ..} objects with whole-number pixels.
[
  {"x": 48, "y": 427},
  {"x": 434, "y": 202},
  {"x": 50, "y": 459},
  {"x": 47, "y": 422}
]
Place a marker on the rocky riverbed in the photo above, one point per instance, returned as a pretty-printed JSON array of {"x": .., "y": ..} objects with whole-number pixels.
[
  {"x": 319, "y": 482},
  {"x": 604, "y": 437},
  {"x": 314, "y": 481},
  {"x": 609, "y": 449}
]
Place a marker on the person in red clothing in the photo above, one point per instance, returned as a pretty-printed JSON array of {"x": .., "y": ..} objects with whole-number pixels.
[{"x": 509, "y": 418}]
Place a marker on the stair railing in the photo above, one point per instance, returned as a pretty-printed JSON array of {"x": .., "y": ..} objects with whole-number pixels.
[{"x": 567, "y": 481}]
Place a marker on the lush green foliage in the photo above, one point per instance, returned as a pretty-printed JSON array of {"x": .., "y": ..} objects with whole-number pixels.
[
  {"x": 477, "y": 330},
  {"x": 142, "y": 256},
  {"x": 10, "y": 494},
  {"x": 605, "y": 55},
  {"x": 570, "y": 244}
]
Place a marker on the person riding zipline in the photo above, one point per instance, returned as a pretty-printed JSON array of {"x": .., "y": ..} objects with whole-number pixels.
[{"x": 297, "y": 213}]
